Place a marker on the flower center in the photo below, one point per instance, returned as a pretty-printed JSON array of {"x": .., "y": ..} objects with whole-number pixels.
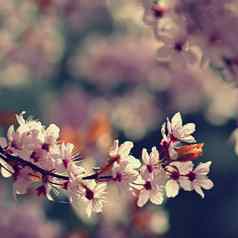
[
  {"x": 191, "y": 176},
  {"x": 14, "y": 145},
  {"x": 175, "y": 175},
  {"x": 118, "y": 177},
  {"x": 149, "y": 168},
  {"x": 89, "y": 194},
  {"x": 148, "y": 185},
  {"x": 178, "y": 46},
  {"x": 157, "y": 11},
  {"x": 34, "y": 156},
  {"x": 45, "y": 146}
]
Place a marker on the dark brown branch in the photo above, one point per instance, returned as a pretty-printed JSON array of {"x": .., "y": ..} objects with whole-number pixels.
[{"x": 16, "y": 160}]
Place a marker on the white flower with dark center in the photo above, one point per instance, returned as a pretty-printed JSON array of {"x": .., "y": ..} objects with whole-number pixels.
[
  {"x": 150, "y": 163},
  {"x": 25, "y": 138},
  {"x": 62, "y": 156},
  {"x": 123, "y": 174},
  {"x": 92, "y": 196},
  {"x": 121, "y": 154},
  {"x": 51, "y": 135},
  {"x": 198, "y": 180},
  {"x": 181, "y": 132},
  {"x": 151, "y": 190},
  {"x": 177, "y": 179}
]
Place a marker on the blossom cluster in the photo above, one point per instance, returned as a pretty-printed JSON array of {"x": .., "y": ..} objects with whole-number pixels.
[
  {"x": 40, "y": 163},
  {"x": 186, "y": 27}
]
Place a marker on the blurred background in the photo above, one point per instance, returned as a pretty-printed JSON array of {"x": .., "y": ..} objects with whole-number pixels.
[{"x": 90, "y": 66}]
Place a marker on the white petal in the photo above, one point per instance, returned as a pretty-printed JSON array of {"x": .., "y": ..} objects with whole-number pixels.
[
  {"x": 198, "y": 190},
  {"x": 89, "y": 208},
  {"x": 177, "y": 120},
  {"x": 189, "y": 128},
  {"x": 203, "y": 168},
  {"x": 143, "y": 198},
  {"x": 53, "y": 130},
  {"x": 100, "y": 190},
  {"x": 169, "y": 126},
  {"x": 5, "y": 173},
  {"x": 185, "y": 183},
  {"x": 10, "y": 132},
  {"x": 163, "y": 130},
  {"x": 154, "y": 155},
  {"x": 97, "y": 206},
  {"x": 183, "y": 167},
  {"x": 157, "y": 197},
  {"x": 3, "y": 142},
  {"x": 206, "y": 183},
  {"x": 145, "y": 156},
  {"x": 125, "y": 148},
  {"x": 172, "y": 188},
  {"x": 20, "y": 118},
  {"x": 6, "y": 169},
  {"x": 114, "y": 148},
  {"x": 133, "y": 162},
  {"x": 188, "y": 139}
]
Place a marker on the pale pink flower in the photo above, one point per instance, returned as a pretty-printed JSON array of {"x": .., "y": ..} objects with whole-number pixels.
[
  {"x": 92, "y": 197},
  {"x": 198, "y": 180},
  {"x": 63, "y": 156},
  {"x": 151, "y": 190},
  {"x": 150, "y": 163},
  {"x": 121, "y": 153},
  {"x": 6, "y": 169},
  {"x": 177, "y": 171},
  {"x": 24, "y": 180},
  {"x": 123, "y": 174},
  {"x": 179, "y": 131},
  {"x": 51, "y": 134}
]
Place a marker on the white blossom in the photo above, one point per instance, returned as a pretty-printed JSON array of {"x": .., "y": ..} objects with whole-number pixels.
[
  {"x": 177, "y": 170},
  {"x": 92, "y": 197},
  {"x": 151, "y": 164},
  {"x": 179, "y": 131},
  {"x": 151, "y": 190},
  {"x": 198, "y": 179},
  {"x": 121, "y": 154}
]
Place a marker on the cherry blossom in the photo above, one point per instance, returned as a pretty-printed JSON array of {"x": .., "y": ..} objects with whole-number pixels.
[
  {"x": 38, "y": 163},
  {"x": 92, "y": 196},
  {"x": 181, "y": 132},
  {"x": 121, "y": 154},
  {"x": 176, "y": 173},
  {"x": 151, "y": 164},
  {"x": 151, "y": 190},
  {"x": 199, "y": 180}
]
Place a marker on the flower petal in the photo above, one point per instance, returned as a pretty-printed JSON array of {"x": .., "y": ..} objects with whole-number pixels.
[
  {"x": 171, "y": 188},
  {"x": 206, "y": 183},
  {"x": 143, "y": 198},
  {"x": 145, "y": 156},
  {"x": 125, "y": 148},
  {"x": 154, "y": 155},
  {"x": 188, "y": 139},
  {"x": 157, "y": 197},
  {"x": 203, "y": 168},
  {"x": 189, "y": 128},
  {"x": 198, "y": 190},
  {"x": 177, "y": 120},
  {"x": 185, "y": 183}
]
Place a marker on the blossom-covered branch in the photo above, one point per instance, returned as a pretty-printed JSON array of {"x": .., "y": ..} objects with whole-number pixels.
[
  {"x": 190, "y": 29},
  {"x": 38, "y": 162}
]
